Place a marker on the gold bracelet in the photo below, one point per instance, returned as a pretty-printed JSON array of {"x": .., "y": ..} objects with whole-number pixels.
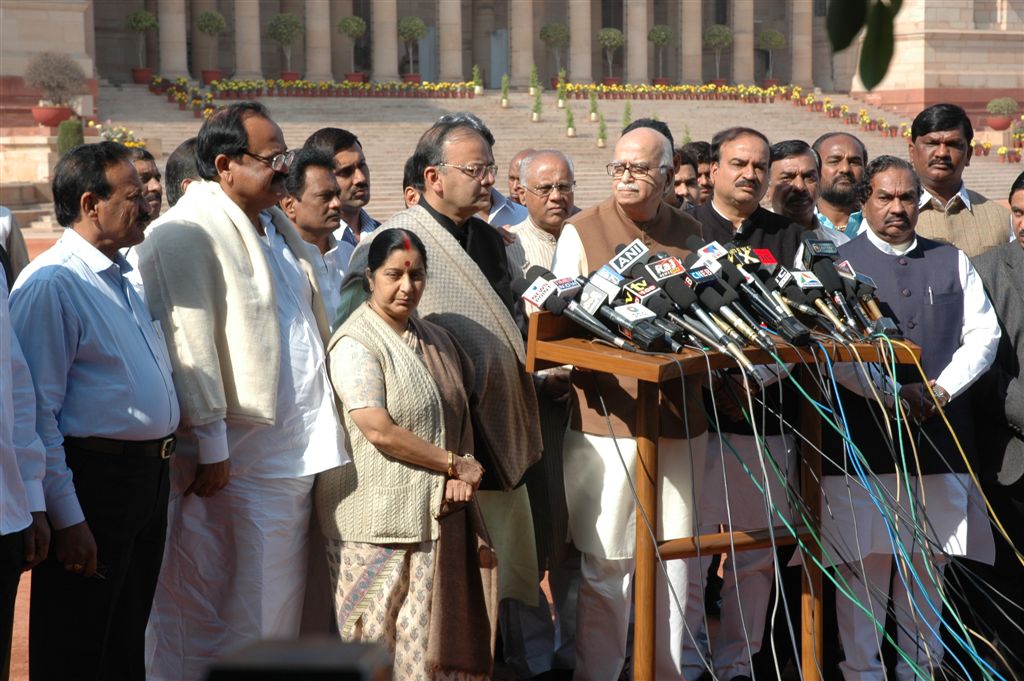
[{"x": 451, "y": 465}]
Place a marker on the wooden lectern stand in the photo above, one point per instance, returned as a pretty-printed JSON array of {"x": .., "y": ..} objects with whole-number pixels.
[{"x": 554, "y": 341}]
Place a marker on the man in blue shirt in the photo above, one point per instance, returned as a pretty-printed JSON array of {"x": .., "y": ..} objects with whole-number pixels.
[
  {"x": 106, "y": 411},
  {"x": 843, "y": 158}
]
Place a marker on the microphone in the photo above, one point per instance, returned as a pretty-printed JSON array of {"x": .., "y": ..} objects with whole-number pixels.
[
  {"x": 638, "y": 330},
  {"x": 684, "y": 296},
  {"x": 542, "y": 293},
  {"x": 809, "y": 285},
  {"x": 819, "y": 256},
  {"x": 718, "y": 296}
]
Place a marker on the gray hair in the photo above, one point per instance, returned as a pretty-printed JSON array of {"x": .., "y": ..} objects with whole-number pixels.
[{"x": 526, "y": 163}]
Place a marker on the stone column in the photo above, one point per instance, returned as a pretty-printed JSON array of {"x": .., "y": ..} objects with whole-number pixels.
[
  {"x": 449, "y": 40},
  {"x": 384, "y": 29},
  {"x": 318, "y": 40},
  {"x": 580, "y": 34},
  {"x": 801, "y": 41},
  {"x": 636, "y": 42},
  {"x": 341, "y": 44},
  {"x": 201, "y": 43},
  {"x": 173, "y": 45},
  {"x": 742, "y": 13},
  {"x": 248, "y": 51},
  {"x": 691, "y": 32},
  {"x": 520, "y": 22}
]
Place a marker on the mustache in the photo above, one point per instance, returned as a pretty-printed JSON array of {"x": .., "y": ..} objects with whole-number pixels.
[
  {"x": 753, "y": 184},
  {"x": 628, "y": 186}
]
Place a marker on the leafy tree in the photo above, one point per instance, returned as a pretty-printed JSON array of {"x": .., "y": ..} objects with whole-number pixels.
[
  {"x": 627, "y": 114},
  {"x": 718, "y": 37},
  {"x": 660, "y": 35},
  {"x": 139, "y": 22},
  {"x": 214, "y": 25},
  {"x": 770, "y": 40},
  {"x": 355, "y": 28},
  {"x": 411, "y": 31},
  {"x": 611, "y": 39},
  {"x": 285, "y": 29},
  {"x": 556, "y": 36},
  {"x": 845, "y": 20},
  {"x": 69, "y": 135},
  {"x": 504, "y": 85}
]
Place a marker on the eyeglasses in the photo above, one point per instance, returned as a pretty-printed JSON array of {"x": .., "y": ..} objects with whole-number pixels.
[
  {"x": 545, "y": 190},
  {"x": 477, "y": 171},
  {"x": 279, "y": 163},
  {"x": 616, "y": 169}
]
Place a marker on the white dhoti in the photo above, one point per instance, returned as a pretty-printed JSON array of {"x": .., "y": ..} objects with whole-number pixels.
[
  {"x": 941, "y": 515},
  {"x": 234, "y": 572},
  {"x": 739, "y": 493},
  {"x": 602, "y": 522}
]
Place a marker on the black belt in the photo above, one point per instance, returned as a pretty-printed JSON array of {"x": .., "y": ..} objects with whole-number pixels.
[{"x": 161, "y": 449}]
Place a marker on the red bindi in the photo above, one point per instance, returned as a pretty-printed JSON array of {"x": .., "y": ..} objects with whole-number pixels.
[{"x": 406, "y": 263}]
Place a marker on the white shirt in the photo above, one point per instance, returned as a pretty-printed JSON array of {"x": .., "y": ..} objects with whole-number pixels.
[
  {"x": 306, "y": 437},
  {"x": 979, "y": 336},
  {"x": 505, "y": 212},
  {"x": 330, "y": 270},
  {"x": 98, "y": 360},
  {"x": 927, "y": 197},
  {"x": 570, "y": 259},
  {"x": 22, "y": 455}
]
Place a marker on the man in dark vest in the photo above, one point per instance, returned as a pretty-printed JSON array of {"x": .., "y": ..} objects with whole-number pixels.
[
  {"x": 600, "y": 504},
  {"x": 935, "y": 297}
]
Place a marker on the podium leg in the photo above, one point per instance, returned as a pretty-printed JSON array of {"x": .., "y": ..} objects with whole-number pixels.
[
  {"x": 646, "y": 560},
  {"x": 810, "y": 603}
]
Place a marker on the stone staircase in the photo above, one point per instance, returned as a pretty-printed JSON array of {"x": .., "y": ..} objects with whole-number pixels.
[{"x": 390, "y": 127}]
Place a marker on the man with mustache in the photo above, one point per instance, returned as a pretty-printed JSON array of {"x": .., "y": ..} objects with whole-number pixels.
[
  {"x": 353, "y": 178},
  {"x": 145, "y": 164},
  {"x": 314, "y": 205},
  {"x": 940, "y": 149},
  {"x": 841, "y": 158},
  {"x": 598, "y": 496},
  {"x": 106, "y": 412},
  {"x": 932, "y": 292},
  {"x": 739, "y": 169},
  {"x": 687, "y": 190},
  {"x": 230, "y": 281}
]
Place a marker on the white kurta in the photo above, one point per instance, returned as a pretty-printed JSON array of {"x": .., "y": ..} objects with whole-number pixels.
[{"x": 235, "y": 566}]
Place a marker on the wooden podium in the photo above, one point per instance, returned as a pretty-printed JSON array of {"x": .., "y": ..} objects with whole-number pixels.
[{"x": 555, "y": 341}]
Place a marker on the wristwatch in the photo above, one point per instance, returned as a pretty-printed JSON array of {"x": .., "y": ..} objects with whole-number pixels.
[{"x": 941, "y": 395}]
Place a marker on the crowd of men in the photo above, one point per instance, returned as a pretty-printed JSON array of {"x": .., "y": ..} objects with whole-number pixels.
[{"x": 165, "y": 404}]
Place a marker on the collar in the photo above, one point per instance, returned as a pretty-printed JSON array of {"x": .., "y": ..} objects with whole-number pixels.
[
  {"x": 927, "y": 198},
  {"x": 885, "y": 247},
  {"x": 498, "y": 201},
  {"x": 90, "y": 255},
  {"x": 744, "y": 227},
  {"x": 314, "y": 250},
  {"x": 537, "y": 232},
  {"x": 851, "y": 227},
  {"x": 455, "y": 229}
]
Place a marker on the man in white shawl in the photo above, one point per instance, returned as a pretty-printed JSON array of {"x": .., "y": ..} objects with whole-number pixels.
[{"x": 229, "y": 280}]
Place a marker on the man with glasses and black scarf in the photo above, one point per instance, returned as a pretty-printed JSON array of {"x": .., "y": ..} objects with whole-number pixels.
[{"x": 228, "y": 277}]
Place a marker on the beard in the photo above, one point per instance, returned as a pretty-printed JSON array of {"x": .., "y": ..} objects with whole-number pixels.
[{"x": 844, "y": 198}]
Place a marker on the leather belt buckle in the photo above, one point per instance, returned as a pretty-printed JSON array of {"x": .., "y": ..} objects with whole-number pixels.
[{"x": 167, "y": 447}]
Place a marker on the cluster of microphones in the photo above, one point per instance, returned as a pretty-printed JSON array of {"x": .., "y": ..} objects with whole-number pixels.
[{"x": 720, "y": 297}]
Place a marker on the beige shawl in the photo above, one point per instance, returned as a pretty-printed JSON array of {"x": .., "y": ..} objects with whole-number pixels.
[
  {"x": 459, "y": 298},
  {"x": 209, "y": 284}
]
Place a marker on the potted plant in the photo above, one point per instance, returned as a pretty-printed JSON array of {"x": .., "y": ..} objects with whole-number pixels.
[
  {"x": 602, "y": 131},
  {"x": 1001, "y": 112},
  {"x": 212, "y": 24},
  {"x": 353, "y": 28},
  {"x": 593, "y": 106},
  {"x": 60, "y": 78},
  {"x": 139, "y": 22},
  {"x": 570, "y": 123},
  {"x": 504, "y": 90},
  {"x": 70, "y": 134},
  {"x": 770, "y": 40},
  {"x": 284, "y": 29},
  {"x": 718, "y": 37},
  {"x": 556, "y": 36},
  {"x": 561, "y": 89},
  {"x": 660, "y": 35},
  {"x": 411, "y": 31},
  {"x": 627, "y": 113},
  {"x": 534, "y": 81},
  {"x": 536, "y": 109},
  {"x": 478, "y": 80},
  {"x": 611, "y": 39}
]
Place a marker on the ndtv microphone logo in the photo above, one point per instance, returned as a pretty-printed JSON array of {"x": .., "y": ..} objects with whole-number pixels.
[
  {"x": 625, "y": 258},
  {"x": 766, "y": 257},
  {"x": 665, "y": 268}
]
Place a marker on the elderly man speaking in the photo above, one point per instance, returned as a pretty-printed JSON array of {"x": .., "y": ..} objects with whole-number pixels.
[{"x": 601, "y": 509}]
